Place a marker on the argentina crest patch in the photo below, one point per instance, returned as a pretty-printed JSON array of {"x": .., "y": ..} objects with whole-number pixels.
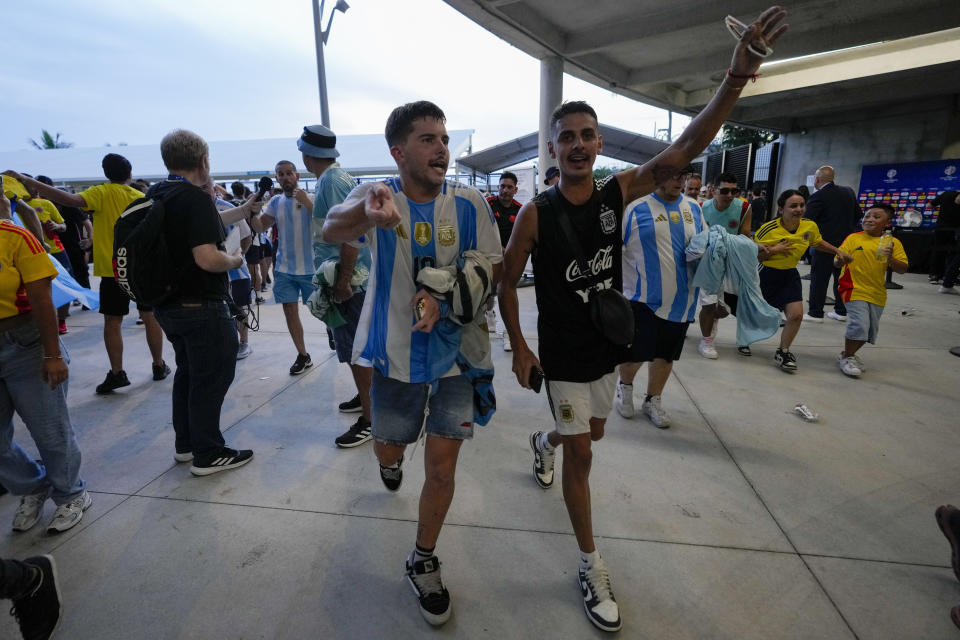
[{"x": 608, "y": 219}]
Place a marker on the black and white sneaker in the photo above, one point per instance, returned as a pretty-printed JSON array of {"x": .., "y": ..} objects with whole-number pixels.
[
  {"x": 223, "y": 460},
  {"x": 355, "y": 435},
  {"x": 113, "y": 381},
  {"x": 424, "y": 577},
  {"x": 598, "y": 600},
  {"x": 785, "y": 360},
  {"x": 351, "y": 406},
  {"x": 392, "y": 476},
  {"x": 301, "y": 364},
  {"x": 542, "y": 461},
  {"x": 38, "y": 611}
]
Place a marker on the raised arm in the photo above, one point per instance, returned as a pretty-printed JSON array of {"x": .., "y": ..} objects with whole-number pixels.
[
  {"x": 643, "y": 180},
  {"x": 352, "y": 218},
  {"x": 50, "y": 193}
]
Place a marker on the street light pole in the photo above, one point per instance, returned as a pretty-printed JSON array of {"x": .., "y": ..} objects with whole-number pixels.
[
  {"x": 321, "y": 71},
  {"x": 320, "y": 36}
]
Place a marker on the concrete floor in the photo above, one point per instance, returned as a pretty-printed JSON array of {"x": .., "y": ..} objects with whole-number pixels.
[{"x": 740, "y": 521}]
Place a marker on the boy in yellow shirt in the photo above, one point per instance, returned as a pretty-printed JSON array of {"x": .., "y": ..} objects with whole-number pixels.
[{"x": 862, "y": 282}]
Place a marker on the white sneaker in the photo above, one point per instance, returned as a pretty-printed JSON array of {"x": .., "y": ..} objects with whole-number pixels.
[
  {"x": 839, "y": 317},
  {"x": 809, "y": 318},
  {"x": 506, "y": 343},
  {"x": 598, "y": 600},
  {"x": 848, "y": 365},
  {"x": 655, "y": 412},
  {"x": 244, "y": 350},
  {"x": 943, "y": 289},
  {"x": 491, "y": 317},
  {"x": 624, "y": 400},
  {"x": 29, "y": 511},
  {"x": 706, "y": 349},
  {"x": 859, "y": 362},
  {"x": 68, "y": 515}
]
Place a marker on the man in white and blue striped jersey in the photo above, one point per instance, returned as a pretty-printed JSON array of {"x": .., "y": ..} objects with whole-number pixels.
[
  {"x": 414, "y": 221},
  {"x": 292, "y": 212},
  {"x": 659, "y": 283}
]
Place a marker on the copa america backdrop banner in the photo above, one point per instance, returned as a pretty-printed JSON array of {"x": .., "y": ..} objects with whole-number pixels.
[{"x": 909, "y": 188}]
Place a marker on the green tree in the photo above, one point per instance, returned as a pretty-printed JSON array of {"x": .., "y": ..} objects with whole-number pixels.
[
  {"x": 734, "y": 136},
  {"x": 599, "y": 173},
  {"x": 48, "y": 141}
]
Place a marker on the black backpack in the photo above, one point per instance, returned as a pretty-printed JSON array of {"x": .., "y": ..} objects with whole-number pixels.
[{"x": 142, "y": 264}]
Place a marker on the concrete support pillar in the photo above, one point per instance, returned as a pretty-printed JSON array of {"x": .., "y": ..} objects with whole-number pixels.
[{"x": 551, "y": 94}]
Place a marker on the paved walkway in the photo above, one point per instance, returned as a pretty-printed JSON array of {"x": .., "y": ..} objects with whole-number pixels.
[{"x": 740, "y": 521}]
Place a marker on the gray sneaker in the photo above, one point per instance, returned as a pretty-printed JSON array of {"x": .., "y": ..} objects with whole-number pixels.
[
  {"x": 244, "y": 350},
  {"x": 68, "y": 515},
  {"x": 29, "y": 511}
]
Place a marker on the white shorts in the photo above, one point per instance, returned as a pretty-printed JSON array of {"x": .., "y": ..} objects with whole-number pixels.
[
  {"x": 574, "y": 403},
  {"x": 707, "y": 298}
]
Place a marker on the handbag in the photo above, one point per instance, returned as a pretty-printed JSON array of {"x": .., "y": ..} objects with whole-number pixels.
[{"x": 609, "y": 310}]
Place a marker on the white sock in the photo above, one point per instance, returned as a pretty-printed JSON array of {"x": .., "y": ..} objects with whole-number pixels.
[
  {"x": 545, "y": 443},
  {"x": 588, "y": 560}
]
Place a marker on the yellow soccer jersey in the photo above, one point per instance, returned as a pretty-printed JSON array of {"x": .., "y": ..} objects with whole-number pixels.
[
  {"x": 865, "y": 277},
  {"x": 773, "y": 232},
  {"x": 107, "y": 202},
  {"x": 46, "y": 210},
  {"x": 22, "y": 259}
]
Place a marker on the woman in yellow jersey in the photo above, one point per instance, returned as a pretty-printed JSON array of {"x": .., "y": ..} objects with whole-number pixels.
[
  {"x": 783, "y": 241},
  {"x": 33, "y": 383}
]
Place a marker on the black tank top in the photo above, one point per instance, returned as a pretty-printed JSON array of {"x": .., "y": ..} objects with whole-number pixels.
[{"x": 571, "y": 349}]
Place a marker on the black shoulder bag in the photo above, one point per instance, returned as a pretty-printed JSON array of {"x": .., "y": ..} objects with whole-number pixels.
[{"x": 610, "y": 311}]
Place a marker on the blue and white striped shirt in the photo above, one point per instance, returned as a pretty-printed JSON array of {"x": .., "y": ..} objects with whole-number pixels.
[
  {"x": 294, "y": 235},
  {"x": 655, "y": 270},
  {"x": 432, "y": 234}
]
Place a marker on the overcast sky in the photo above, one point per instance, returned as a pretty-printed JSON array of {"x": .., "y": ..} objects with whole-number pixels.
[{"x": 112, "y": 71}]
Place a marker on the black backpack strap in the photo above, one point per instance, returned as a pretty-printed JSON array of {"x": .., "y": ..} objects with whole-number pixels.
[{"x": 563, "y": 219}]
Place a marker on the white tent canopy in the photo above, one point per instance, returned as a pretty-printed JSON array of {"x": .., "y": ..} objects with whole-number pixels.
[{"x": 360, "y": 155}]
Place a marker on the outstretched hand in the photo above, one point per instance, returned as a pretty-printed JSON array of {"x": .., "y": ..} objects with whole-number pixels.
[
  {"x": 763, "y": 33},
  {"x": 380, "y": 209}
]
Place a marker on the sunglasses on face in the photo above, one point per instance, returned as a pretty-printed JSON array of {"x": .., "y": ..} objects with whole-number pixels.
[{"x": 728, "y": 191}]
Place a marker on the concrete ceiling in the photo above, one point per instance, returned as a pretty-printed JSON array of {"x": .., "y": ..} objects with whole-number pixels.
[
  {"x": 673, "y": 54},
  {"x": 617, "y": 143}
]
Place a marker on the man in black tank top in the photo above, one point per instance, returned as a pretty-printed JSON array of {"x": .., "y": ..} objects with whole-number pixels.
[{"x": 577, "y": 361}]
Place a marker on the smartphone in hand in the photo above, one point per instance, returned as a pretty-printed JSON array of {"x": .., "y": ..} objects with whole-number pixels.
[{"x": 536, "y": 379}]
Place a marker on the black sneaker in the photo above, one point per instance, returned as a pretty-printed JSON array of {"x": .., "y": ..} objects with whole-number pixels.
[
  {"x": 160, "y": 371},
  {"x": 424, "y": 577},
  {"x": 38, "y": 612},
  {"x": 744, "y": 351},
  {"x": 785, "y": 360},
  {"x": 351, "y": 406},
  {"x": 223, "y": 460},
  {"x": 392, "y": 477},
  {"x": 333, "y": 345},
  {"x": 355, "y": 435},
  {"x": 301, "y": 364},
  {"x": 113, "y": 381}
]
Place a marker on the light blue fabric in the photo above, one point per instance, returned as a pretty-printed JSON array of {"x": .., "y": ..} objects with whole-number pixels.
[
  {"x": 333, "y": 187},
  {"x": 734, "y": 257}
]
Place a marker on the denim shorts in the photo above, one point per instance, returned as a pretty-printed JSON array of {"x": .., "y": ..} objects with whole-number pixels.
[
  {"x": 287, "y": 287},
  {"x": 863, "y": 320},
  {"x": 398, "y": 408}
]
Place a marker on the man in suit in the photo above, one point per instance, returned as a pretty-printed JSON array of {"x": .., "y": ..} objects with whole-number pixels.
[{"x": 836, "y": 212}]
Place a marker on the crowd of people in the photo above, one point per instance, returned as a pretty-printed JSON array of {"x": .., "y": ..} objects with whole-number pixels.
[{"x": 405, "y": 273}]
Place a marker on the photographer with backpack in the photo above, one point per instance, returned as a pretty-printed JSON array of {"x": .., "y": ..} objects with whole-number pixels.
[{"x": 196, "y": 317}]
